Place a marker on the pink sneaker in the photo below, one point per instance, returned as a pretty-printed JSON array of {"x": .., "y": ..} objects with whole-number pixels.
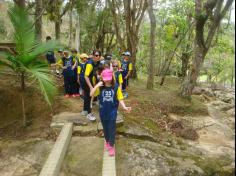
[
  {"x": 74, "y": 96},
  {"x": 67, "y": 96},
  {"x": 107, "y": 146},
  {"x": 77, "y": 95},
  {"x": 112, "y": 151}
]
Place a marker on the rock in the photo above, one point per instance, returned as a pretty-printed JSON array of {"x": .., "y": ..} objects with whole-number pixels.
[
  {"x": 189, "y": 133},
  {"x": 201, "y": 90},
  {"x": 226, "y": 107},
  {"x": 231, "y": 112},
  {"x": 85, "y": 130},
  {"x": 197, "y": 91},
  {"x": 60, "y": 119},
  {"x": 225, "y": 97}
]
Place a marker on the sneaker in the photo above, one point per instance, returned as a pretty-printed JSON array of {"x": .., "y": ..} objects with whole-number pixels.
[
  {"x": 74, "y": 96},
  {"x": 84, "y": 113},
  {"x": 67, "y": 96},
  {"x": 112, "y": 151},
  {"x": 107, "y": 146},
  {"x": 91, "y": 117},
  {"x": 77, "y": 95}
]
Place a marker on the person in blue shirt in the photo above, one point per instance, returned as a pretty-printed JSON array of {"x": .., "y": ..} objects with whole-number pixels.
[
  {"x": 76, "y": 84},
  {"x": 126, "y": 69},
  {"x": 68, "y": 65},
  {"x": 109, "y": 99},
  {"x": 50, "y": 54},
  {"x": 90, "y": 75}
]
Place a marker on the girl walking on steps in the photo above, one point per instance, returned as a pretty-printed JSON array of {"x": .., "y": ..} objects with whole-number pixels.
[{"x": 109, "y": 99}]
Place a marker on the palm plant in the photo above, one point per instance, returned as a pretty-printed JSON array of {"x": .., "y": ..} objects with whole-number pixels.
[{"x": 26, "y": 63}]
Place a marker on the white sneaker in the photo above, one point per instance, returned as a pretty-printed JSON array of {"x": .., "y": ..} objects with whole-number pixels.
[
  {"x": 91, "y": 117},
  {"x": 84, "y": 113}
]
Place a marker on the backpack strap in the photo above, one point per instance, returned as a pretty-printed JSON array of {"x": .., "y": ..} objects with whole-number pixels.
[
  {"x": 63, "y": 61},
  {"x": 115, "y": 90}
]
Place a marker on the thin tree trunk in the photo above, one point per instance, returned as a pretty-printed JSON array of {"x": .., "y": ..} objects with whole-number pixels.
[
  {"x": 38, "y": 20},
  {"x": 77, "y": 35},
  {"x": 150, "y": 81},
  {"x": 22, "y": 77},
  {"x": 71, "y": 28},
  {"x": 23, "y": 99},
  {"x": 23, "y": 109},
  {"x": 58, "y": 29}
]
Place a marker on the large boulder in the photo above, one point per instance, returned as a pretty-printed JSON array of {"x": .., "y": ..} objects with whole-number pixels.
[{"x": 203, "y": 90}]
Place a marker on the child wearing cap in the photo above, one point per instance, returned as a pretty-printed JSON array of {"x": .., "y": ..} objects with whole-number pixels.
[
  {"x": 68, "y": 65},
  {"x": 117, "y": 74},
  {"x": 81, "y": 70},
  {"x": 127, "y": 68},
  {"x": 75, "y": 80},
  {"x": 91, "y": 68},
  {"x": 109, "y": 99}
]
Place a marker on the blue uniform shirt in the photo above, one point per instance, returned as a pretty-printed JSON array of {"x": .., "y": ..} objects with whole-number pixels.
[
  {"x": 108, "y": 103},
  {"x": 50, "y": 57},
  {"x": 68, "y": 62}
]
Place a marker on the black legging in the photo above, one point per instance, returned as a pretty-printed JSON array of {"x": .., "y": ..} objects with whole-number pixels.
[{"x": 87, "y": 98}]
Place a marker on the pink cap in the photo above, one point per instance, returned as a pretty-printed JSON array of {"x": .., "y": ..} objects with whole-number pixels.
[{"x": 107, "y": 75}]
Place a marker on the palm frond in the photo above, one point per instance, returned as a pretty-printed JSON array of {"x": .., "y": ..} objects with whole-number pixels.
[
  {"x": 42, "y": 48},
  {"x": 41, "y": 73},
  {"x": 24, "y": 32},
  {"x": 8, "y": 60}
]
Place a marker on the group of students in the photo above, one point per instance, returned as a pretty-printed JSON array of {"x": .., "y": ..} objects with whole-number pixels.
[{"x": 101, "y": 79}]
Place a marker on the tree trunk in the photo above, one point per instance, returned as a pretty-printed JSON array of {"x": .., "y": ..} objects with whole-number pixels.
[
  {"x": 191, "y": 79},
  {"x": 20, "y": 3},
  {"x": 58, "y": 29},
  {"x": 38, "y": 20},
  {"x": 150, "y": 81},
  {"x": 185, "y": 61},
  {"x": 77, "y": 35},
  {"x": 22, "y": 77},
  {"x": 24, "y": 120},
  {"x": 133, "y": 19},
  {"x": 71, "y": 28}
]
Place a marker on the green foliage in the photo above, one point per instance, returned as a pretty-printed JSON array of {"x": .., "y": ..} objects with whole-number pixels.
[
  {"x": 220, "y": 61},
  {"x": 26, "y": 61}
]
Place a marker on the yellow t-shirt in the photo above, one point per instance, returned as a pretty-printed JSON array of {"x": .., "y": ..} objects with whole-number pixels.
[
  {"x": 88, "y": 69},
  {"x": 97, "y": 92},
  {"x": 119, "y": 94},
  {"x": 120, "y": 79},
  {"x": 130, "y": 67},
  {"x": 79, "y": 69}
]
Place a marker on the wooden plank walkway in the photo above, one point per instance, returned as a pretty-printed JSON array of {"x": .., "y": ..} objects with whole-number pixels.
[{"x": 109, "y": 164}]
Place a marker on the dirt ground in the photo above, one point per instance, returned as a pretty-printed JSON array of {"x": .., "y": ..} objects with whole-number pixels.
[{"x": 38, "y": 112}]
